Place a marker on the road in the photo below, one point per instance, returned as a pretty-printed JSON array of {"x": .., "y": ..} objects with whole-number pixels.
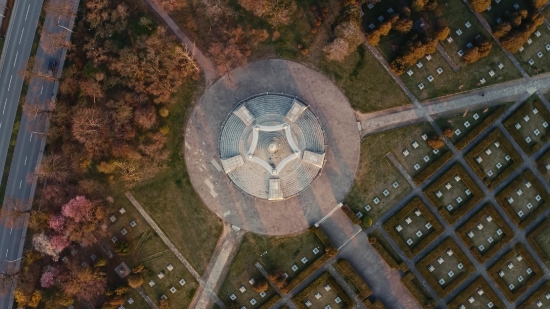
[{"x": 31, "y": 135}]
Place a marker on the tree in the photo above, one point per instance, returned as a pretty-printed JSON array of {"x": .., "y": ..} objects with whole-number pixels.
[
  {"x": 260, "y": 285},
  {"x": 537, "y": 4},
  {"x": 471, "y": 55},
  {"x": 403, "y": 25},
  {"x": 278, "y": 277},
  {"x": 52, "y": 42},
  {"x": 348, "y": 37},
  {"x": 231, "y": 51},
  {"x": 373, "y": 38},
  {"x": 337, "y": 50},
  {"x": 53, "y": 167},
  {"x": 384, "y": 28},
  {"x": 169, "y": 5},
  {"x": 480, "y": 5},
  {"x": 64, "y": 7},
  {"x": 79, "y": 209},
  {"x": 42, "y": 243},
  {"x": 367, "y": 221},
  {"x": 484, "y": 48},
  {"x": 448, "y": 133},
  {"x": 436, "y": 143},
  {"x": 49, "y": 276},
  {"x": 8, "y": 278},
  {"x": 14, "y": 212},
  {"x": 164, "y": 304},
  {"x": 419, "y": 5},
  {"x": 135, "y": 280},
  {"x": 145, "y": 116},
  {"x": 276, "y": 12},
  {"x": 84, "y": 283},
  {"x": 59, "y": 242},
  {"x": 502, "y": 29},
  {"x": 442, "y": 33},
  {"x": 32, "y": 110},
  {"x": 90, "y": 128}
]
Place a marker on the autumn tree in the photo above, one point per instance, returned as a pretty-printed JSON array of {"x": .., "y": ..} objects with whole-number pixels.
[
  {"x": 83, "y": 283},
  {"x": 480, "y": 5},
  {"x": 419, "y": 5},
  {"x": 537, "y": 4},
  {"x": 230, "y": 52},
  {"x": 49, "y": 276},
  {"x": 403, "y": 25},
  {"x": 448, "y": 133},
  {"x": 260, "y": 285},
  {"x": 145, "y": 116},
  {"x": 471, "y": 55},
  {"x": 63, "y": 7},
  {"x": 8, "y": 277},
  {"x": 442, "y": 33},
  {"x": 502, "y": 29},
  {"x": 51, "y": 42},
  {"x": 90, "y": 128},
  {"x": 348, "y": 37},
  {"x": 135, "y": 280},
  {"x": 169, "y": 5},
  {"x": 14, "y": 212},
  {"x": 278, "y": 277},
  {"x": 53, "y": 167}
]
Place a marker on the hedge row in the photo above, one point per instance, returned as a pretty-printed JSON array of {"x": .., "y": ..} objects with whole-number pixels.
[
  {"x": 479, "y": 283},
  {"x": 304, "y": 274},
  {"x": 383, "y": 252},
  {"x": 432, "y": 168},
  {"x": 511, "y": 189},
  {"x": 496, "y": 135},
  {"x": 517, "y": 116},
  {"x": 322, "y": 237},
  {"x": 348, "y": 271},
  {"x": 535, "y": 244},
  {"x": 299, "y": 298},
  {"x": 539, "y": 293},
  {"x": 412, "y": 284},
  {"x": 480, "y": 216},
  {"x": 476, "y": 194},
  {"x": 351, "y": 215},
  {"x": 272, "y": 301},
  {"x": 484, "y": 124},
  {"x": 415, "y": 203},
  {"x": 505, "y": 259},
  {"x": 441, "y": 249},
  {"x": 376, "y": 305},
  {"x": 541, "y": 162}
]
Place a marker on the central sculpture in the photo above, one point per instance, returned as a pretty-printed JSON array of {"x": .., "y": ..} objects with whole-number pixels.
[{"x": 272, "y": 146}]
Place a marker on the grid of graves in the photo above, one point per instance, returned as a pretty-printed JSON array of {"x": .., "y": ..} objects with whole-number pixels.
[
  {"x": 485, "y": 233},
  {"x": 253, "y": 290},
  {"x": 468, "y": 125},
  {"x": 493, "y": 159},
  {"x": 418, "y": 158},
  {"x": 382, "y": 201},
  {"x": 523, "y": 199},
  {"x": 323, "y": 292},
  {"x": 413, "y": 227},
  {"x": 543, "y": 165},
  {"x": 533, "y": 55},
  {"x": 515, "y": 271},
  {"x": 539, "y": 238},
  {"x": 529, "y": 125},
  {"x": 445, "y": 267},
  {"x": 539, "y": 299},
  {"x": 454, "y": 193},
  {"x": 477, "y": 295}
]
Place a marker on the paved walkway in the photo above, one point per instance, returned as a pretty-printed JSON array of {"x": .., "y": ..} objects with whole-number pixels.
[
  {"x": 445, "y": 56},
  {"x": 146, "y": 298},
  {"x": 164, "y": 238}
]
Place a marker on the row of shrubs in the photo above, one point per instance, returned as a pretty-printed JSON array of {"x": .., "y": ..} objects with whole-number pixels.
[
  {"x": 271, "y": 302},
  {"x": 524, "y": 221},
  {"x": 539, "y": 294},
  {"x": 432, "y": 168},
  {"x": 365, "y": 222},
  {"x": 494, "y": 136},
  {"x": 417, "y": 291},
  {"x": 472, "y": 288},
  {"x": 385, "y": 254},
  {"x": 541, "y": 162},
  {"x": 441, "y": 249},
  {"x": 517, "y": 116},
  {"x": 361, "y": 286},
  {"x": 475, "y": 196},
  {"x": 513, "y": 295},
  {"x": 300, "y": 298},
  {"x": 436, "y": 230},
  {"x": 487, "y": 210},
  {"x": 535, "y": 244},
  {"x": 484, "y": 124}
]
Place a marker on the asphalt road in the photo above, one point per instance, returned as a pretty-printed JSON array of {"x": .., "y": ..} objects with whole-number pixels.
[{"x": 31, "y": 135}]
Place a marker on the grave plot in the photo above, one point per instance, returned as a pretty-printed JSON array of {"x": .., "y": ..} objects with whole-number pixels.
[
  {"x": 529, "y": 125},
  {"x": 413, "y": 227},
  {"x": 466, "y": 127},
  {"x": 323, "y": 292},
  {"x": 523, "y": 199},
  {"x": 477, "y": 295},
  {"x": 539, "y": 299},
  {"x": 539, "y": 239},
  {"x": 415, "y": 155},
  {"x": 290, "y": 258},
  {"x": 543, "y": 165},
  {"x": 533, "y": 55},
  {"x": 454, "y": 193},
  {"x": 445, "y": 267},
  {"x": 493, "y": 159},
  {"x": 515, "y": 271},
  {"x": 485, "y": 233}
]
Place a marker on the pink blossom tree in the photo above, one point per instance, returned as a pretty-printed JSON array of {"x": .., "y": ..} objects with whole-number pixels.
[
  {"x": 59, "y": 242},
  {"x": 79, "y": 209},
  {"x": 49, "y": 276},
  {"x": 41, "y": 243},
  {"x": 57, "y": 223}
]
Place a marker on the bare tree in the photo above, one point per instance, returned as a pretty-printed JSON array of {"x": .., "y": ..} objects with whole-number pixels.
[
  {"x": 52, "y": 42},
  {"x": 63, "y": 7},
  {"x": 8, "y": 278},
  {"x": 13, "y": 212},
  {"x": 53, "y": 167},
  {"x": 33, "y": 109}
]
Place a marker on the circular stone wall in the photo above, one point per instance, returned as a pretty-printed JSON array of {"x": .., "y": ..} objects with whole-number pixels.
[
  {"x": 284, "y": 161},
  {"x": 272, "y": 146}
]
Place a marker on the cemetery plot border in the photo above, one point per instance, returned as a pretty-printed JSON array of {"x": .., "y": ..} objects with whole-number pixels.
[
  {"x": 478, "y": 284},
  {"x": 494, "y": 136},
  {"x": 493, "y": 272},
  {"x": 475, "y": 132},
  {"x": 325, "y": 278},
  {"x": 542, "y": 164},
  {"x": 534, "y": 243},
  {"x": 393, "y": 260},
  {"x": 517, "y": 117},
  {"x": 476, "y": 193},
  {"x": 432, "y": 168},
  {"x": 348, "y": 271},
  {"x": 501, "y": 197},
  {"x": 544, "y": 289},
  {"x": 423, "y": 297},
  {"x": 417, "y": 203},
  {"x": 487, "y": 210},
  {"x": 443, "y": 247}
]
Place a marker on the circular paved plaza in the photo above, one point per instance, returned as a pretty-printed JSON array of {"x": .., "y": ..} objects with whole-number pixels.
[{"x": 273, "y": 148}]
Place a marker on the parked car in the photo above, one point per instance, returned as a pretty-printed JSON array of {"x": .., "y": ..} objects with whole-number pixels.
[{"x": 52, "y": 66}]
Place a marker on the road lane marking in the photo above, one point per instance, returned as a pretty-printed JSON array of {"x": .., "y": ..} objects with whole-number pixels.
[
  {"x": 0, "y": 125},
  {"x": 30, "y": 139},
  {"x": 10, "y": 83},
  {"x": 20, "y": 183},
  {"x": 4, "y": 106},
  {"x": 27, "y": 12},
  {"x": 25, "y": 161},
  {"x": 11, "y": 230},
  {"x": 7, "y": 252},
  {"x": 42, "y": 88},
  {"x": 21, "y": 35},
  {"x": 15, "y": 61}
]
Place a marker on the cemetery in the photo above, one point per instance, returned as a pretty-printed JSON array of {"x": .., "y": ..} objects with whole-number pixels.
[
  {"x": 493, "y": 159},
  {"x": 476, "y": 295},
  {"x": 543, "y": 165},
  {"x": 417, "y": 290},
  {"x": 515, "y": 271},
  {"x": 454, "y": 193},
  {"x": 413, "y": 227},
  {"x": 360, "y": 287},
  {"x": 539, "y": 240},
  {"x": 445, "y": 267},
  {"x": 539, "y": 299},
  {"x": 529, "y": 125},
  {"x": 470, "y": 124},
  {"x": 485, "y": 233},
  {"x": 323, "y": 292},
  {"x": 385, "y": 250},
  {"x": 524, "y": 199}
]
